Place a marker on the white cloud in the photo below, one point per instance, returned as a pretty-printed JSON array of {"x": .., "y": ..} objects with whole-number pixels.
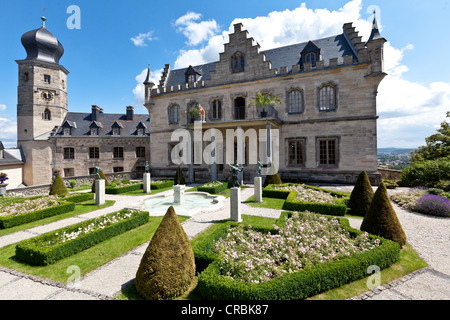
[
  {"x": 196, "y": 32},
  {"x": 8, "y": 131},
  {"x": 139, "y": 90},
  {"x": 2, "y": 107},
  {"x": 141, "y": 38}
]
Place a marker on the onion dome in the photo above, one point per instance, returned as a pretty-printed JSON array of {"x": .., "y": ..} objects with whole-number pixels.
[{"x": 41, "y": 45}]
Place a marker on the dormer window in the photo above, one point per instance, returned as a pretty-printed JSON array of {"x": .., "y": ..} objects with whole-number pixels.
[
  {"x": 95, "y": 128},
  {"x": 310, "y": 54},
  {"x": 191, "y": 78},
  {"x": 94, "y": 131},
  {"x": 67, "y": 131},
  {"x": 67, "y": 127},
  {"x": 192, "y": 75},
  {"x": 238, "y": 62},
  {"x": 141, "y": 129},
  {"x": 116, "y": 128}
]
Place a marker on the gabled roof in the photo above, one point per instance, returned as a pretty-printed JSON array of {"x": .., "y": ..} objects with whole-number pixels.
[
  {"x": 105, "y": 120},
  {"x": 331, "y": 47},
  {"x": 12, "y": 156}
]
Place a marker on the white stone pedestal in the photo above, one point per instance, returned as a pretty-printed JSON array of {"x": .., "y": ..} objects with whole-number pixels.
[
  {"x": 258, "y": 189},
  {"x": 146, "y": 179},
  {"x": 178, "y": 193},
  {"x": 235, "y": 204},
  {"x": 100, "y": 192}
]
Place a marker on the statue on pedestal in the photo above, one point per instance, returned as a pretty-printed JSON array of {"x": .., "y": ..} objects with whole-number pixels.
[{"x": 234, "y": 175}]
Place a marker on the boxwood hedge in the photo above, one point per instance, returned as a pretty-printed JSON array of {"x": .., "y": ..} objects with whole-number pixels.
[
  {"x": 8, "y": 222},
  {"x": 216, "y": 189},
  {"x": 35, "y": 251},
  {"x": 335, "y": 209},
  {"x": 298, "y": 285}
]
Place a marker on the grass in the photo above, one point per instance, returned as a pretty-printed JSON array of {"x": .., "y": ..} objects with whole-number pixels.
[
  {"x": 87, "y": 260},
  {"x": 80, "y": 208}
]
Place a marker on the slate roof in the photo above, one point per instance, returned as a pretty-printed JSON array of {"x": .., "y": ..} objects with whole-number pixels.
[
  {"x": 331, "y": 47},
  {"x": 81, "y": 125},
  {"x": 12, "y": 156}
]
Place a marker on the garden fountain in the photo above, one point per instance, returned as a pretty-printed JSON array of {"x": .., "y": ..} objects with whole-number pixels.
[{"x": 185, "y": 204}]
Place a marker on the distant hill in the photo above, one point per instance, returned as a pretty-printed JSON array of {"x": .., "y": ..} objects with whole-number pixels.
[{"x": 395, "y": 150}]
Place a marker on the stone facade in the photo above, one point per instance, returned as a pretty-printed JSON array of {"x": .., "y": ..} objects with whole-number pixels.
[{"x": 346, "y": 132}]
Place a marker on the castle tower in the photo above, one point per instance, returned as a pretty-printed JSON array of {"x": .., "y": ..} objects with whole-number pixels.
[
  {"x": 42, "y": 101},
  {"x": 375, "y": 46},
  {"x": 148, "y": 85}
]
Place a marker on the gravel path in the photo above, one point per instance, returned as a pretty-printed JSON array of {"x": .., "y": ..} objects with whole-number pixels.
[{"x": 429, "y": 236}]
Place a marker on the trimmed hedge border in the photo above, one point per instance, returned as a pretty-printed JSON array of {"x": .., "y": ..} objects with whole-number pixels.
[
  {"x": 298, "y": 285},
  {"x": 214, "y": 190},
  {"x": 338, "y": 209},
  {"x": 119, "y": 190},
  {"x": 162, "y": 185},
  {"x": 79, "y": 197},
  {"x": 30, "y": 252},
  {"x": 8, "y": 222}
]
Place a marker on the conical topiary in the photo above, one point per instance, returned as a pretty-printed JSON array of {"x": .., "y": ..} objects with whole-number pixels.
[
  {"x": 272, "y": 179},
  {"x": 381, "y": 219},
  {"x": 102, "y": 176},
  {"x": 58, "y": 186},
  {"x": 361, "y": 196},
  {"x": 179, "y": 177},
  {"x": 167, "y": 268}
]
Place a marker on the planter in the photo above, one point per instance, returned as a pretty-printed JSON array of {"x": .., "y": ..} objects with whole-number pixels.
[{"x": 263, "y": 114}]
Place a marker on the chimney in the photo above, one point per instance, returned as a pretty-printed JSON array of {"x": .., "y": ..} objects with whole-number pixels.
[
  {"x": 95, "y": 112},
  {"x": 130, "y": 113}
]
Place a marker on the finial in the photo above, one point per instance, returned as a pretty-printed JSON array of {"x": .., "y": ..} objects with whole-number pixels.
[{"x": 43, "y": 20}]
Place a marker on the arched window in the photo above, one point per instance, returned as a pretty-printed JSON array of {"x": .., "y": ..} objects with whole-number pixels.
[
  {"x": 47, "y": 115},
  {"x": 327, "y": 97},
  {"x": 239, "y": 108},
  {"x": 238, "y": 62},
  {"x": 216, "y": 106},
  {"x": 311, "y": 57},
  {"x": 295, "y": 101},
  {"x": 174, "y": 114}
]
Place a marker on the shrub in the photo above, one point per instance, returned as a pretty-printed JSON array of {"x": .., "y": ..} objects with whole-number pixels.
[
  {"x": 381, "y": 218},
  {"x": 102, "y": 176},
  {"x": 58, "y": 186},
  {"x": 444, "y": 185},
  {"x": 167, "y": 267},
  {"x": 214, "y": 187},
  {"x": 161, "y": 185},
  {"x": 361, "y": 196},
  {"x": 72, "y": 183},
  {"x": 119, "y": 190},
  {"x": 433, "y": 205},
  {"x": 51, "y": 247},
  {"x": 426, "y": 173},
  {"x": 272, "y": 179},
  {"x": 390, "y": 184},
  {"x": 179, "y": 177}
]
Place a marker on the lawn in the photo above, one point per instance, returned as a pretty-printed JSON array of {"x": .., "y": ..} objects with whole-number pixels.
[{"x": 89, "y": 259}]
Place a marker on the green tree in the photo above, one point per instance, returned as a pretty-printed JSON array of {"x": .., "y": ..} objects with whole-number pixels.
[
  {"x": 381, "y": 218},
  {"x": 361, "y": 196},
  {"x": 437, "y": 145},
  {"x": 167, "y": 267},
  {"x": 58, "y": 186},
  {"x": 264, "y": 100}
]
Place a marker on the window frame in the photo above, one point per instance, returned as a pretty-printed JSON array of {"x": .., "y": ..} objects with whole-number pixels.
[
  {"x": 47, "y": 79},
  {"x": 326, "y": 97},
  {"x": 173, "y": 113},
  {"x": 118, "y": 153},
  {"x": 94, "y": 152},
  {"x": 140, "y": 152},
  {"x": 69, "y": 153},
  {"x": 116, "y": 131},
  {"x": 301, "y": 101},
  {"x": 216, "y": 109},
  {"x": 299, "y": 143},
  {"x": 238, "y": 62},
  {"x": 327, "y": 162}
]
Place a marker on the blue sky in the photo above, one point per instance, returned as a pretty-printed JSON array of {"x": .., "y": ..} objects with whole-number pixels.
[{"x": 107, "y": 56}]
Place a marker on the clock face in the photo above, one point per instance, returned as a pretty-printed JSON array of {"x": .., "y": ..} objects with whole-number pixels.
[{"x": 47, "y": 96}]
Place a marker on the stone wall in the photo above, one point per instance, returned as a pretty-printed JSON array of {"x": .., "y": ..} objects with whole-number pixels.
[{"x": 388, "y": 174}]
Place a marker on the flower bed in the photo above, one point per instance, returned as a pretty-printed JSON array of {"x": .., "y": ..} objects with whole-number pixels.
[
  {"x": 408, "y": 200},
  {"x": 298, "y": 260},
  {"x": 51, "y": 247},
  {"x": 36, "y": 208},
  {"x": 433, "y": 205},
  {"x": 308, "y": 198},
  {"x": 214, "y": 187}
]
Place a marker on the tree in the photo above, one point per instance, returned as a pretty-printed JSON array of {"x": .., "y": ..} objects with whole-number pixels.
[
  {"x": 272, "y": 179},
  {"x": 58, "y": 186},
  {"x": 264, "y": 100},
  {"x": 167, "y": 267},
  {"x": 381, "y": 218},
  {"x": 438, "y": 145},
  {"x": 361, "y": 196}
]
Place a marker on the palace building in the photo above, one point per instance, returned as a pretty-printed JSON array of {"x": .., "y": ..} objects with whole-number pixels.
[
  {"x": 326, "y": 122},
  {"x": 324, "y": 129}
]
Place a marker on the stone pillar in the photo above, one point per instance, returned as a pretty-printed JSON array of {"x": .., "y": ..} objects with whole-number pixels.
[
  {"x": 178, "y": 193},
  {"x": 214, "y": 161},
  {"x": 235, "y": 204},
  {"x": 99, "y": 192},
  {"x": 3, "y": 189},
  {"x": 146, "y": 179},
  {"x": 258, "y": 189}
]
